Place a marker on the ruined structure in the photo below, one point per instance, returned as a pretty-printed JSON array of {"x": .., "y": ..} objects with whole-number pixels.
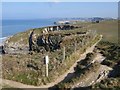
[
  {"x": 47, "y": 41},
  {"x": 61, "y": 27}
]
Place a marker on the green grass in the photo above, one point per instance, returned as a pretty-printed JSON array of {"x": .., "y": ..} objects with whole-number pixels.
[
  {"x": 24, "y": 35},
  {"x": 109, "y": 30},
  {"x": 20, "y": 71}
]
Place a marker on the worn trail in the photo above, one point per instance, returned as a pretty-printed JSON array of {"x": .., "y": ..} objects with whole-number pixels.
[{"x": 59, "y": 79}]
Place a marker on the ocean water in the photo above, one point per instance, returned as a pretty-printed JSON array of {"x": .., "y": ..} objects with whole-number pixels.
[{"x": 11, "y": 27}]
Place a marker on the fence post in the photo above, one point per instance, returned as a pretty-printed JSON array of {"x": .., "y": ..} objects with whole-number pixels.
[
  {"x": 75, "y": 46},
  {"x": 46, "y": 63},
  {"x": 63, "y": 53}
]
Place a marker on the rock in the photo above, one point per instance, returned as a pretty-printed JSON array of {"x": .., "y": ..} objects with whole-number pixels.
[
  {"x": 49, "y": 42},
  {"x": 2, "y": 51}
]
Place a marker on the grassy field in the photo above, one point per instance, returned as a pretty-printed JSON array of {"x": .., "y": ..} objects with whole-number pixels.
[{"x": 109, "y": 30}]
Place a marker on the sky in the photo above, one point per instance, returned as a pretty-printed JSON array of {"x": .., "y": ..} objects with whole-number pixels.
[
  {"x": 59, "y": 0},
  {"x": 58, "y": 9}
]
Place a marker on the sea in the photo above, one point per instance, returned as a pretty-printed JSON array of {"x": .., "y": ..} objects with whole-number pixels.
[{"x": 11, "y": 27}]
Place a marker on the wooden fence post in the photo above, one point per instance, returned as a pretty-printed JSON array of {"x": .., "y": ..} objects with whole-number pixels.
[
  {"x": 46, "y": 63},
  {"x": 63, "y": 53}
]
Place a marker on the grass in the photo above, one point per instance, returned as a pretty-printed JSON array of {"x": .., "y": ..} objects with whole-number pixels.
[
  {"x": 80, "y": 77},
  {"x": 24, "y": 36},
  {"x": 15, "y": 66},
  {"x": 108, "y": 84},
  {"x": 72, "y": 58},
  {"x": 110, "y": 51},
  {"x": 109, "y": 30}
]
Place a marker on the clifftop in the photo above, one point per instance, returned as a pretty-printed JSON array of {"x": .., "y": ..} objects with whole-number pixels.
[
  {"x": 33, "y": 39},
  {"x": 26, "y": 52}
]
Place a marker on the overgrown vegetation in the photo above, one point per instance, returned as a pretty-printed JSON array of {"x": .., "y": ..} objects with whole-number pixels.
[
  {"x": 30, "y": 69},
  {"x": 108, "y": 84},
  {"x": 80, "y": 76},
  {"x": 112, "y": 53},
  {"x": 82, "y": 70}
]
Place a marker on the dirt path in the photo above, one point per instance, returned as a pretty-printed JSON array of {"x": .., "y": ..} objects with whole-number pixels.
[
  {"x": 71, "y": 70},
  {"x": 99, "y": 58},
  {"x": 94, "y": 77}
]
